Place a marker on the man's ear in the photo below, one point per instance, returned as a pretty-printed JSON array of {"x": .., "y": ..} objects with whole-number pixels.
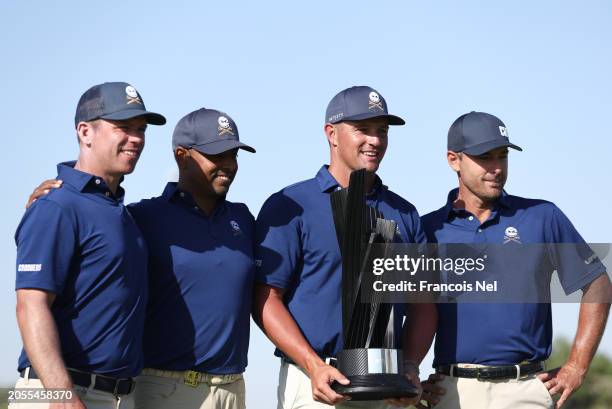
[
  {"x": 332, "y": 134},
  {"x": 85, "y": 132},
  {"x": 453, "y": 159},
  {"x": 182, "y": 156}
]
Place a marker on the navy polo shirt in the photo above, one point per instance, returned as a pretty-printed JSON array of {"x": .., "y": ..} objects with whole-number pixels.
[
  {"x": 297, "y": 250},
  {"x": 507, "y": 334},
  {"x": 200, "y": 283},
  {"x": 81, "y": 244}
]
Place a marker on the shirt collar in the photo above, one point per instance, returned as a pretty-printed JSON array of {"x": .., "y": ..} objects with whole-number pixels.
[
  {"x": 172, "y": 193},
  {"x": 67, "y": 173},
  {"x": 82, "y": 180},
  {"x": 504, "y": 201},
  {"x": 328, "y": 183}
]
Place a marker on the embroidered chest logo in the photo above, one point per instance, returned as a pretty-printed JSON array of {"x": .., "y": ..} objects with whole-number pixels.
[
  {"x": 511, "y": 234},
  {"x": 235, "y": 227},
  {"x": 224, "y": 126},
  {"x": 132, "y": 95},
  {"x": 374, "y": 101}
]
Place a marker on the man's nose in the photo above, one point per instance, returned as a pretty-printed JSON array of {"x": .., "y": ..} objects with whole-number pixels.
[
  {"x": 137, "y": 137},
  {"x": 374, "y": 140},
  {"x": 496, "y": 165}
]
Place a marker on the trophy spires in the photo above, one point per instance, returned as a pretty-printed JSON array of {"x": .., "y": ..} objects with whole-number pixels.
[{"x": 371, "y": 358}]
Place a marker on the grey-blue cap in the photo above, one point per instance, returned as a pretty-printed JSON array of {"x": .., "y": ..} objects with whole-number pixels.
[
  {"x": 209, "y": 131},
  {"x": 115, "y": 101},
  {"x": 476, "y": 133},
  {"x": 358, "y": 103}
]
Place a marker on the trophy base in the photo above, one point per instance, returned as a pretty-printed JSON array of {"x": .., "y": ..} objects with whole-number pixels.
[{"x": 376, "y": 387}]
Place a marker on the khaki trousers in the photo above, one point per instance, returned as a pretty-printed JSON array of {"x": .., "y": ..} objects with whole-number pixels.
[
  {"x": 295, "y": 392},
  {"x": 156, "y": 389},
  {"x": 93, "y": 399},
  {"x": 468, "y": 393}
]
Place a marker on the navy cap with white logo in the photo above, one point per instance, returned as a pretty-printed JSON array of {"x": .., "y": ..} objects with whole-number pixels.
[
  {"x": 476, "y": 133},
  {"x": 358, "y": 103},
  {"x": 209, "y": 131},
  {"x": 115, "y": 101}
]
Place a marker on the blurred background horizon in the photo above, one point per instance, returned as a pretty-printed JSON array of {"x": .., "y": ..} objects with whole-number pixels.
[{"x": 542, "y": 67}]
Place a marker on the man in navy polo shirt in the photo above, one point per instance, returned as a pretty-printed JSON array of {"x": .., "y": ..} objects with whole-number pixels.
[
  {"x": 201, "y": 273},
  {"x": 298, "y": 295},
  {"x": 513, "y": 338},
  {"x": 82, "y": 261}
]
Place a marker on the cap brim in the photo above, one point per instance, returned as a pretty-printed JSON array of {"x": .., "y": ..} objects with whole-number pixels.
[
  {"x": 489, "y": 146},
  {"x": 151, "y": 117},
  {"x": 217, "y": 147},
  {"x": 393, "y": 120}
]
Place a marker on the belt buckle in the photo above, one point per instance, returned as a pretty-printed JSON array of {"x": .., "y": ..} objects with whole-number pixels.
[
  {"x": 477, "y": 373},
  {"x": 119, "y": 382},
  {"x": 192, "y": 378},
  {"x": 116, "y": 387}
]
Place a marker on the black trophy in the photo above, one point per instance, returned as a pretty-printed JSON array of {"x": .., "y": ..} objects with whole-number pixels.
[{"x": 371, "y": 358}]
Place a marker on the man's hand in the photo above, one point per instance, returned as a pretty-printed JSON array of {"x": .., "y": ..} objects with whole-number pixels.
[
  {"x": 272, "y": 316},
  {"x": 565, "y": 380},
  {"x": 42, "y": 189},
  {"x": 74, "y": 403},
  {"x": 432, "y": 393},
  {"x": 412, "y": 376},
  {"x": 321, "y": 377},
  {"x": 592, "y": 318}
]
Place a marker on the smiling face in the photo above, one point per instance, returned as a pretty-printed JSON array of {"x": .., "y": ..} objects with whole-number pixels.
[
  {"x": 483, "y": 176},
  {"x": 210, "y": 174},
  {"x": 113, "y": 147},
  {"x": 358, "y": 144}
]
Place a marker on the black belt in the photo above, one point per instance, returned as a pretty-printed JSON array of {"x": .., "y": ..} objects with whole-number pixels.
[
  {"x": 492, "y": 372},
  {"x": 103, "y": 383}
]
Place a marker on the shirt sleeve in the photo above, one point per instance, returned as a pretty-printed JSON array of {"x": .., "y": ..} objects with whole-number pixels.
[
  {"x": 278, "y": 252},
  {"x": 575, "y": 262},
  {"x": 45, "y": 242},
  {"x": 414, "y": 227}
]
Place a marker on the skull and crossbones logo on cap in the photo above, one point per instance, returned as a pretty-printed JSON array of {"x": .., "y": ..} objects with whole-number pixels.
[
  {"x": 132, "y": 95},
  {"x": 374, "y": 101},
  {"x": 224, "y": 126}
]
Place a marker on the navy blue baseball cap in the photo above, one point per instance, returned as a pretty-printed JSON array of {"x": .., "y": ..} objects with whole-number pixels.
[
  {"x": 357, "y": 103},
  {"x": 113, "y": 100},
  {"x": 476, "y": 133},
  {"x": 209, "y": 131}
]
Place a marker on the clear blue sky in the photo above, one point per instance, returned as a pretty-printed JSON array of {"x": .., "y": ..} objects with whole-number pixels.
[{"x": 542, "y": 66}]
